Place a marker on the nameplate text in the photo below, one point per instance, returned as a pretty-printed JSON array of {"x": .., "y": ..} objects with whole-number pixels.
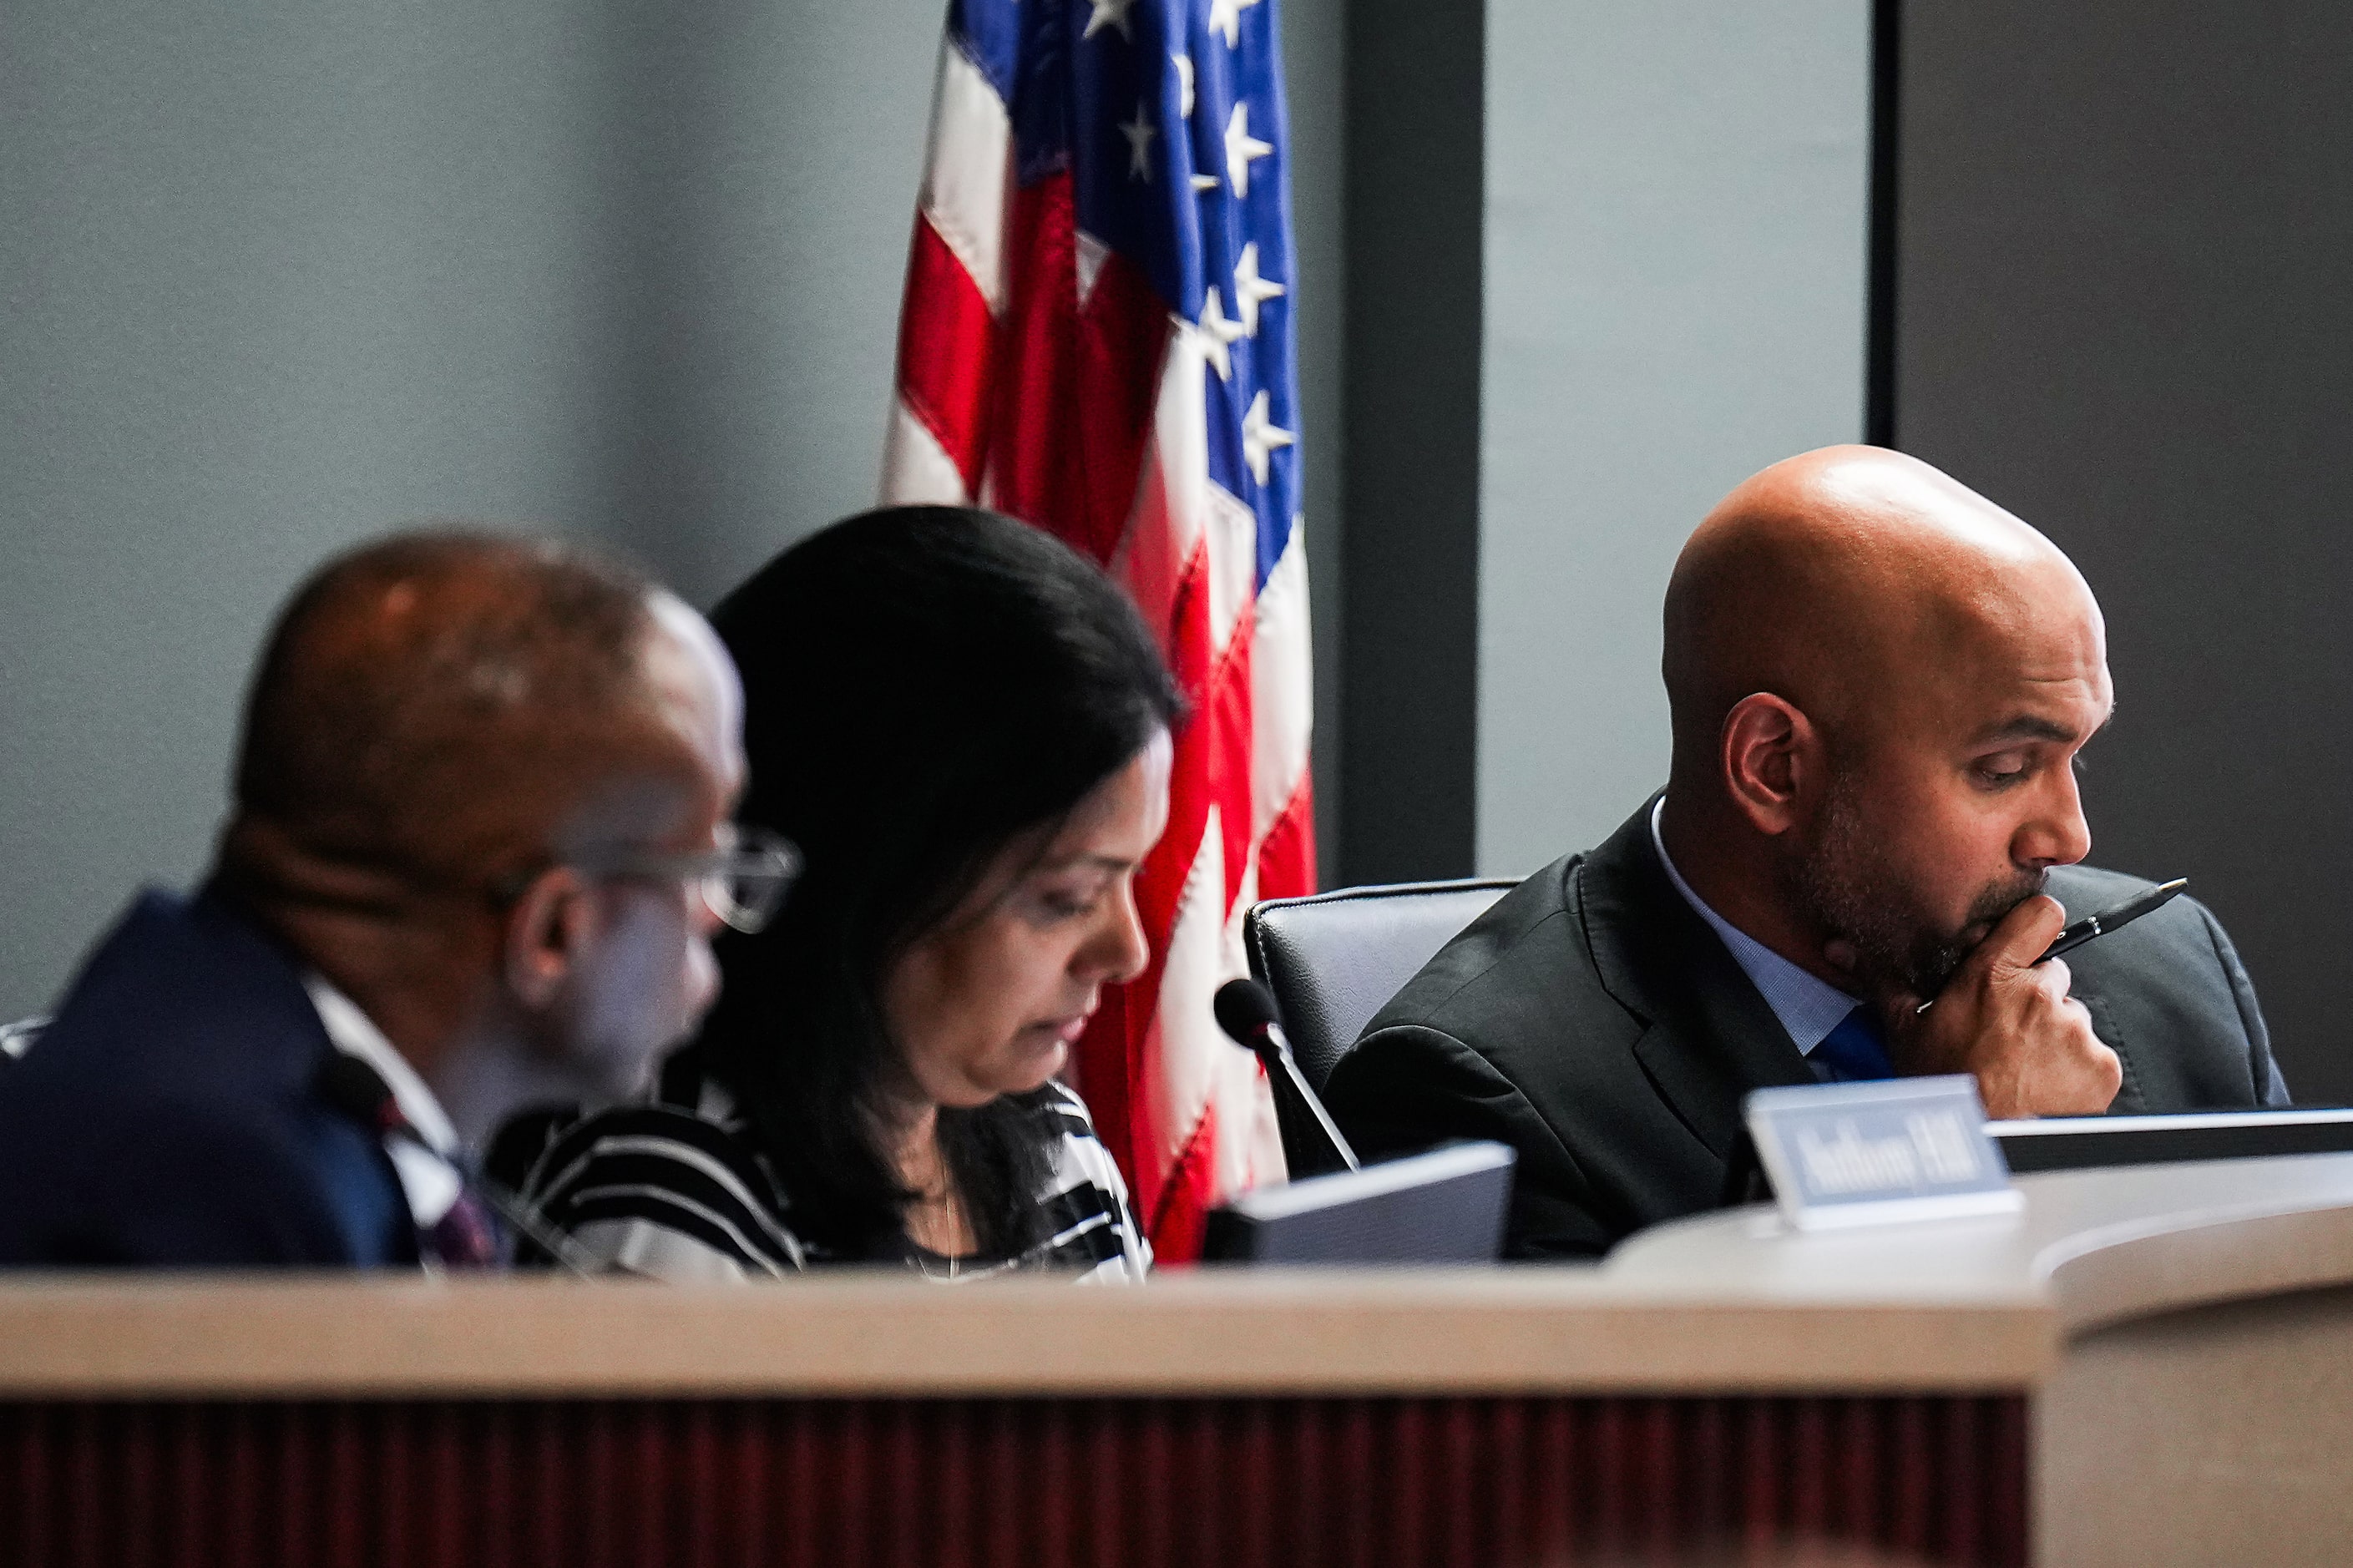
[{"x": 1869, "y": 1154}]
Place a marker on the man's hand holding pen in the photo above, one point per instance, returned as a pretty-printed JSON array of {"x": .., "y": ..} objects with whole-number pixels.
[{"x": 2009, "y": 1019}]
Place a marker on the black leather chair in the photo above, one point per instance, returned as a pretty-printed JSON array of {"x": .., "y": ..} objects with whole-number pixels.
[{"x": 1332, "y": 960}]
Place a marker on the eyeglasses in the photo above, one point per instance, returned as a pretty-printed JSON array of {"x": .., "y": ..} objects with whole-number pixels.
[{"x": 742, "y": 881}]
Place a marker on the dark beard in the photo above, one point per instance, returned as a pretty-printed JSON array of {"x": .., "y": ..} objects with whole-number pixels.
[{"x": 1847, "y": 887}]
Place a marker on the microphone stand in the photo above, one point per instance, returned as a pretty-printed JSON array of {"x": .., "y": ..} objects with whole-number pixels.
[{"x": 1273, "y": 1050}]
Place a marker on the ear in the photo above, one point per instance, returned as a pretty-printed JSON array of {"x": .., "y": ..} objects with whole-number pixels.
[
  {"x": 1772, "y": 760},
  {"x": 548, "y": 932}
]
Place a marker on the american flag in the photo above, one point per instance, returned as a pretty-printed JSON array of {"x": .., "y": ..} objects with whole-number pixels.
[{"x": 1097, "y": 338}]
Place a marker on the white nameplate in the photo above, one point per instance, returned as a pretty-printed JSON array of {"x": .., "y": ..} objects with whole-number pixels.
[{"x": 1866, "y": 1153}]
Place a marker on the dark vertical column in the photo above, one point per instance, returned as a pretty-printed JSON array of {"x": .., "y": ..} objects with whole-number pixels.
[
  {"x": 1410, "y": 627},
  {"x": 1315, "y": 71},
  {"x": 1886, "y": 203}
]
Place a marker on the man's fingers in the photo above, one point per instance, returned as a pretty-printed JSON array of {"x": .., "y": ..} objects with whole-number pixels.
[
  {"x": 2047, "y": 987},
  {"x": 2023, "y": 934},
  {"x": 2104, "y": 1070},
  {"x": 2055, "y": 979},
  {"x": 1896, "y": 1005}
]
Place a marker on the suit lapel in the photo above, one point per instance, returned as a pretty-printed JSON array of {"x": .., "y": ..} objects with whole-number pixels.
[{"x": 1710, "y": 1037}]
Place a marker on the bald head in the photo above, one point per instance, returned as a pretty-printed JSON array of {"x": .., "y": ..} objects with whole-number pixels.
[
  {"x": 1847, "y": 577},
  {"x": 1879, "y": 680},
  {"x": 437, "y": 708}
]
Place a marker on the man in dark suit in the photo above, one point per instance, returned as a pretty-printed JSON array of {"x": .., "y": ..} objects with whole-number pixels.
[
  {"x": 1879, "y": 682},
  {"x": 480, "y": 789}
]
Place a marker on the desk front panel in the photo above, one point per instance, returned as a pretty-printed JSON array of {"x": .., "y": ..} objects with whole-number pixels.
[{"x": 1056, "y": 1481}]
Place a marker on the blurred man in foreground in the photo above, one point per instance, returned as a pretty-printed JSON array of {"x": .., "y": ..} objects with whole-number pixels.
[
  {"x": 1879, "y": 683},
  {"x": 481, "y": 788}
]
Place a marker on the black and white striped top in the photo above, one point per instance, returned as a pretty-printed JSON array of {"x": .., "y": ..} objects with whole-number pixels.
[{"x": 680, "y": 1195}]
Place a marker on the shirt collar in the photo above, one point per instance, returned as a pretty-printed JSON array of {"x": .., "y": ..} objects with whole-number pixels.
[
  {"x": 429, "y": 1181},
  {"x": 1808, "y": 1007}
]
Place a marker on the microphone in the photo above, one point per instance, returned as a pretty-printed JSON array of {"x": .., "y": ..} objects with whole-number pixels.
[
  {"x": 356, "y": 1089},
  {"x": 1247, "y": 1013}
]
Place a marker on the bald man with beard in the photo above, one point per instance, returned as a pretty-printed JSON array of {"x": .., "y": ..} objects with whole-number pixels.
[
  {"x": 479, "y": 801},
  {"x": 1879, "y": 682}
]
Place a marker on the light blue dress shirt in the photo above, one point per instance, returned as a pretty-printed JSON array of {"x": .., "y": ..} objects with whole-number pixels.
[{"x": 1808, "y": 1007}]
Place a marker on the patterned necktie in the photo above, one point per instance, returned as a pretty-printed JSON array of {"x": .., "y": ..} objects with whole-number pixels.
[
  {"x": 464, "y": 1238},
  {"x": 1855, "y": 1049}
]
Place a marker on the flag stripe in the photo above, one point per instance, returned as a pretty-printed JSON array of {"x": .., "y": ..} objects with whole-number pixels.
[
  {"x": 916, "y": 469},
  {"x": 1283, "y": 681},
  {"x": 970, "y": 170},
  {"x": 944, "y": 335}
]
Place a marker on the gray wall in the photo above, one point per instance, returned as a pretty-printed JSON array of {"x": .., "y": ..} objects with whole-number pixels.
[
  {"x": 280, "y": 275},
  {"x": 2123, "y": 314},
  {"x": 1676, "y": 237}
]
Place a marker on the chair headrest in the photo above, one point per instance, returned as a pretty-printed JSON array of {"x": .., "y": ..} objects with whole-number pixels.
[{"x": 1335, "y": 959}]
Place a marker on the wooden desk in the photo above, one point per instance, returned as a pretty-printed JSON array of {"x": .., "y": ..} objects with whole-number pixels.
[{"x": 1717, "y": 1382}]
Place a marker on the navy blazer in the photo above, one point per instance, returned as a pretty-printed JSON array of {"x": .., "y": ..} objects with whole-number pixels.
[{"x": 167, "y": 1116}]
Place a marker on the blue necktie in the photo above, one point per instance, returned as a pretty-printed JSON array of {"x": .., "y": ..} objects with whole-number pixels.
[{"x": 1855, "y": 1049}]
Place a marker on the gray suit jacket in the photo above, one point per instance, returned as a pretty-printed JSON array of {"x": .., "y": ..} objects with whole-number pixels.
[{"x": 1592, "y": 1021}]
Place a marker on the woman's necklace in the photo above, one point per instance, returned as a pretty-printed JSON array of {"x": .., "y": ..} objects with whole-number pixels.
[
  {"x": 947, "y": 1190},
  {"x": 944, "y": 1211}
]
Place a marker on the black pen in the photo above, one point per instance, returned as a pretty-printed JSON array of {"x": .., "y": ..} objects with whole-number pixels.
[{"x": 2115, "y": 918}]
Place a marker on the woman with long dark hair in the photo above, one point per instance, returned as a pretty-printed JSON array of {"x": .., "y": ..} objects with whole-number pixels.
[{"x": 964, "y": 726}]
